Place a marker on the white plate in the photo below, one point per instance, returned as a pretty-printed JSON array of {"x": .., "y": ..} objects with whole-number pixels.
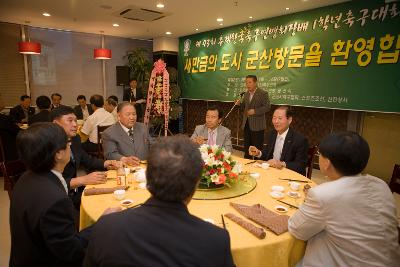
[
  {"x": 126, "y": 202},
  {"x": 255, "y": 175},
  {"x": 277, "y": 194},
  {"x": 281, "y": 209},
  {"x": 293, "y": 194},
  {"x": 278, "y": 188}
]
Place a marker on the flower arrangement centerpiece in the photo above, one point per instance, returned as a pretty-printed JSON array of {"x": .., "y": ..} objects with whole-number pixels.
[{"x": 219, "y": 168}]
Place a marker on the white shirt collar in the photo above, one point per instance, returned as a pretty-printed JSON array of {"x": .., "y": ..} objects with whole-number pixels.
[
  {"x": 283, "y": 135},
  {"x": 124, "y": 128},
  {"x": 62, "y": 180}
]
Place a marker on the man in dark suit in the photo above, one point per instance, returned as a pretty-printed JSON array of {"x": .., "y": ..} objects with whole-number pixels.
[
  {"x": 82, "y": 110},
  {"x": 65, "y": 117},
  {"x": 254, "y": 105},
  {"x": 285, "y": 147},
  {"x": 23, "y": 111},
  {"x": 135, "y": 95},
  {"x": 162, "y": 232},
  {"x": 56, "y": 101},
  {"x": 41, "y": 214},
  {"x": 43, "y": 103}
]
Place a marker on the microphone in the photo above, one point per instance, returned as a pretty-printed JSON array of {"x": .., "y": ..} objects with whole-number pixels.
[{"x": 242, "y": 93}]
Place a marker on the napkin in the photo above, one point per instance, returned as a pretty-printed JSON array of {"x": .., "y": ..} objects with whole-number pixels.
[
  {"x": 100, "y": 191},
  {"x": 257, "y": 231},
  {"x": 263, "y": 216}
]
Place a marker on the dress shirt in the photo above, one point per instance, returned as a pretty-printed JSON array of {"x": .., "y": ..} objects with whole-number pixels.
[
  {"x": 212, "y": 137},
  {"x": 85, "y": 112},
  {"x": 99, "y": 117},
  {"x": 62, "y": 180},
  {"x": 280, "y": 140}
]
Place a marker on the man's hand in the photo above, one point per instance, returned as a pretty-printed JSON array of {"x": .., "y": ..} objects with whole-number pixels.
[
  {"x": 251, "y": 112},
  {"x": 199, "y": 140},
  {"x": 112, "y": 164},
  {"x": 237, "y": 102},
  {"x": 253, "y": 151},
  {"x": 111, "y": 210},
  {"x": 276, "y": 163},
  {"x": 132, "y": 161},
  {"x": 94, "y": 178}
]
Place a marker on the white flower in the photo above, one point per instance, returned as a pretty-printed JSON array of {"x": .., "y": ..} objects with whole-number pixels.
[
  {"x": 226, "y": 154},
  {"x": 214, "y": 148},
  {"x": 237, "y": 169},
  {"x": 204, "y": 156},
  {"x": 204, "y": 148},
  {"x": 214, "y": 178}
]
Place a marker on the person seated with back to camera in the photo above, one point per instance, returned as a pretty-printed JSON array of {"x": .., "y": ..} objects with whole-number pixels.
[
  {"x": 350, "y": 220},
  {"x": 285, "y": 146},
  {"x": 212, "y": 133}
]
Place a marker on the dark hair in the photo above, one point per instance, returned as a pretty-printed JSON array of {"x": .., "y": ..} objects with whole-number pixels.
[
  {"x": 132, "y": 79},
  {"x": 124, "y": 104},
  {"x": 111, "y": 102},
  {"x": 38, "y": 145},
  {"x": 174, "y": 168},
  {"x": 220, "y": 112},
  {"x": 81, "y": 97},
  {"x": 97, "y": 100},
  {"x": 347, "y": 151},
  {"x": 113, "y": 97},
  {"x": 288, "y": 109},
  {"x": 254, "y": 77},
  {"x": 61, "y": 111},
  {"x": 43, "y": 102},
  {"x": 56, "y": 94},
  {"x": 23, "y": 97}
]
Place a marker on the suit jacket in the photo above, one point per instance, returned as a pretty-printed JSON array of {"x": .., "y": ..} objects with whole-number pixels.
[
  {"x": 294, "y": 151},
  {"x": 79, "y": 113},
  {"x": 128, "y": 96},
  {"x": 52, "y": 107},
  {"x": 117, "y": 144},
  {"x": 350, "y": 221},
  {"x": 223, "y": 135},
  {"x": 261, "y": 105},
  {"x": 158, "y": 234},
  {"x": 42, "y": 116},
  {"x": 43, "y": 232},
  {"x": 8, "y": 135},
  {"x": 17, "y": 113},
  {"x": 80, "y": 158}
]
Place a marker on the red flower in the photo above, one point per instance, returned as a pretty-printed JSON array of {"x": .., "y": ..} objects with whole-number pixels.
[{"x": 222, "y": 179}]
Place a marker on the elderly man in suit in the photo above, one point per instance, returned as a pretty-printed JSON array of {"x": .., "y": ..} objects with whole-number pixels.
[
  {"x": 212, "y": 133},
  {"x": 255, "y": 105},
  {"x": 126, "y": 140},
  {"x": 56, "y": 101},
  {"x": 22, "y": 112},
  {"x": 82, "y": 110},
  {"x": 162, "y": 232},
  {"x": 350, "y": 220},
  {"x": 285, "y": 147}
]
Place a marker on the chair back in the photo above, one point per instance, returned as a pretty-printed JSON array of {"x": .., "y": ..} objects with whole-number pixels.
[
  {"x": 100, "y": 130},
  {"x": 394, "y": 183},
  {"x": 312, "y": 151}
]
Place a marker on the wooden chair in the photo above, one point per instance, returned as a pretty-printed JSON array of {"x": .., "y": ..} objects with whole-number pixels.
[
  {"x": 100, "y": 130},
  {"x": 312, "y": 151},
  {"x": 394, "y": 183}
]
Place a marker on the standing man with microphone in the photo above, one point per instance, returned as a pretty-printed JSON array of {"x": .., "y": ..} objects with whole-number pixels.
[{"x": 254, "y": 105}]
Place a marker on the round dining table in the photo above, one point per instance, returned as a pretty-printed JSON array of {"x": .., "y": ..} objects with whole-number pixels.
[{"x": 247, "y": 250}]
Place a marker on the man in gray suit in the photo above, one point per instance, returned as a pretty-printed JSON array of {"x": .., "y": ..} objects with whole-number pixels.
[
  {"x": 126, "y": 140},
  {"x": 351, "y": 220},
  {"x": 212, "y": 133},
  {"x": 254, "y": 105}
]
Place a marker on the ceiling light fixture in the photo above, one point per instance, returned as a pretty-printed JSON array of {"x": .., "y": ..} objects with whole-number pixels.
[
  {"x": 220, "y": 19},
  {"x": 46, "y": 14},
  {"x": 197, "y": 29},
  {"x": 169, "y": 33},
  {"x": 250, "y": 17},
  {"x": 221, "y": 24},
  {"x": 116, "y": 25},
  {"x": 29, "y": 48},
  {"x": 287, "y": 8},
  {"x": 160, "y": 5},
  {"x": 102, "y": 53}
]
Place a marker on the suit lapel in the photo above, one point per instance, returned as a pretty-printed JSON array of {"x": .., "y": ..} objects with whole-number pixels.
[
  {"x": 219, "y": 138},
  {"x": 287, "y": 144},
  {"x": 271, "y": 147},
  {"x": 123, "y": 135}
]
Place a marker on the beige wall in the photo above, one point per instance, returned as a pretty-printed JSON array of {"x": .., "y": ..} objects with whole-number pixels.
[
  {"x": 382, "y": 131},
  {"x": 165, "y": 44}
]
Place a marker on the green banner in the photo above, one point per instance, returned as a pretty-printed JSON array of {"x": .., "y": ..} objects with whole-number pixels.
[{"x": 344, "y": 56}]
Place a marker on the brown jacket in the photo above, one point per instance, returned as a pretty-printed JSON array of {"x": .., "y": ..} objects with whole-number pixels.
[{"x": 260, "y": 103}]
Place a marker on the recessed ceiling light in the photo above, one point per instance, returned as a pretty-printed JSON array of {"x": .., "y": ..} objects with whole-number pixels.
[
  {"x": 221, "y": 24},
  {"x": 169, "y": 33},
  {"x": 160, "y": 5},
  {"x": 116, "y": 25},
  {"x": 197, "y": 29},
  {"x": 220, "y": 19},
  {"x": 250, "y": 17},
  {"x": 46, "y": 14},
  {"x": 287, "y": 8}
]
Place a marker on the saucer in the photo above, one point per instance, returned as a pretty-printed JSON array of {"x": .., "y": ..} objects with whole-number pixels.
[
  {"x": 277, "y": 194},
  {"x": 293, "y": 194},
  {"x": 278, "y": 188},
  {"x": 126, "y": 202},
  {"x": 281, "y": 209}
]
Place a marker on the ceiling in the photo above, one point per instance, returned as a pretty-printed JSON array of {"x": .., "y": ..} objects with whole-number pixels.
[{"x": 183, "y": 16}]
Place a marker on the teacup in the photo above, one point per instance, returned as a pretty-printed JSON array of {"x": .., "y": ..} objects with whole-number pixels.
[
  {"x": 294, "y": 186},
  {"x": 140, "y": 175},
  {"x": 119, "y": 194},
  {"x": 265, "y": 165}
]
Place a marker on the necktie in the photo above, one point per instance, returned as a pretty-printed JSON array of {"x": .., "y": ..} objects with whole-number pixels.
[
  {"x": 130, "y": 133},
  {"x": 211, "y": 139}
]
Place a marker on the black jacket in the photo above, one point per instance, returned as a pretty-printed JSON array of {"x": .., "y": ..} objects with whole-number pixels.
[
  {"x": 8, "y": 135},
  {"x": 80, "y": 158},
  {"x": 17, "y": 113},
  {"x": 294, "y": 152},
  {"x": 157, "y": 234},
  {"x": 43, "y": 231},
  {"x": 42, "y": 116},
  {"x": 79, "y": 113}
]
